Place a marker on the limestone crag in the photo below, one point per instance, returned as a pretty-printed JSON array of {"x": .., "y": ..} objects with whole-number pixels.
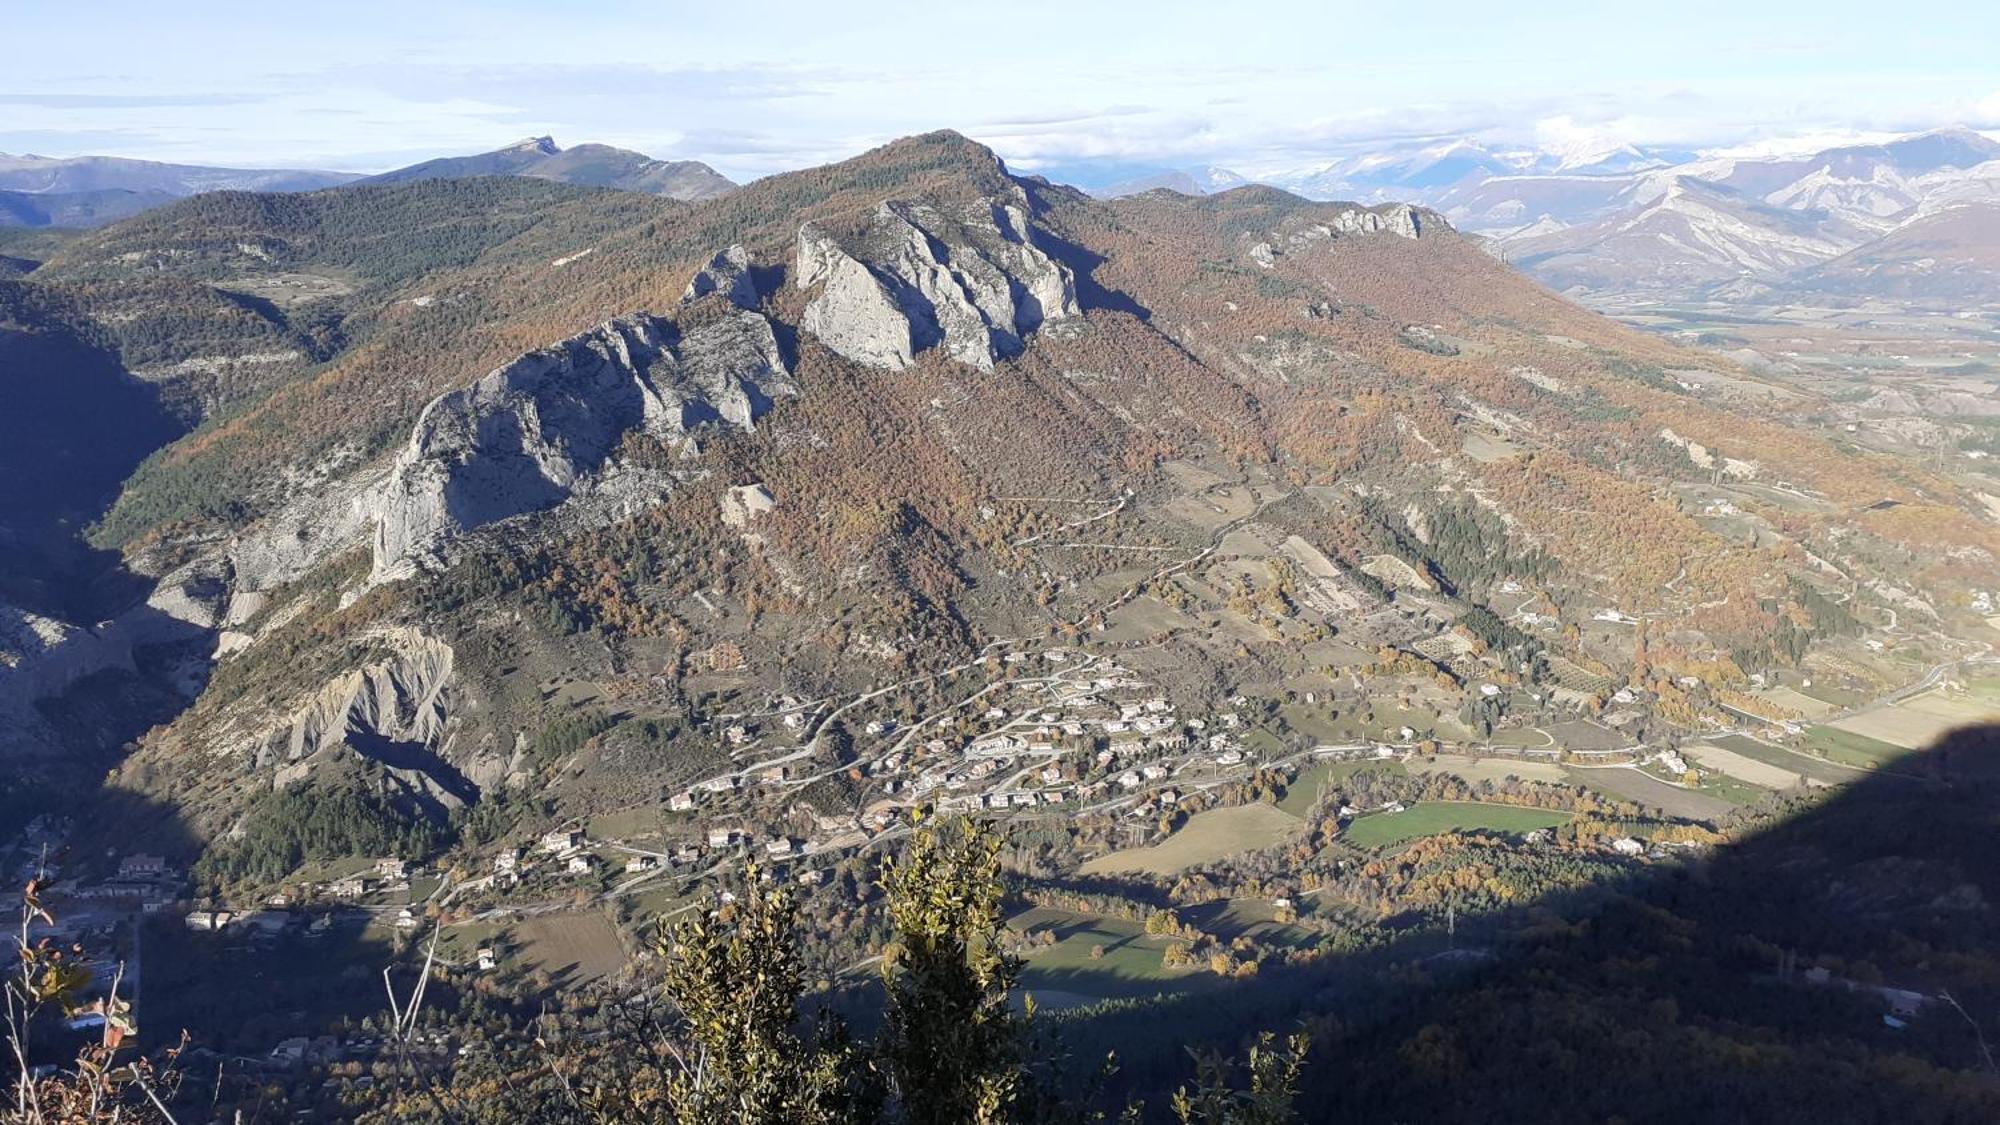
[
  {"x": 916, "y": 277},
  {"x": 1302, "y": 234},
  {"x": 1399, "y": 219},
  {"x": 531, "y": 434}
]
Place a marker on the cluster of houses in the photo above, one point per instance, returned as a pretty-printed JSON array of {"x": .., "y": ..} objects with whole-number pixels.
[
  {"x": 148, "y": 881},
  {"x": 389, "y": 874}
]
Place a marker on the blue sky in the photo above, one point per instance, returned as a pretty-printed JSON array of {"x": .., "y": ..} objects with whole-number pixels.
[{"x": 754, "y": 88}]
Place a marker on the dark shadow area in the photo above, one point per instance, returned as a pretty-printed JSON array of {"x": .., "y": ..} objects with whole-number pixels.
[
  {"x": 1840, "y": 964},
  {"x": 415, "y": 757},
  {"x": 262, "y": 997},
  {"x": 73, "y": 426},
  {"x": 1083, "y": 265}
]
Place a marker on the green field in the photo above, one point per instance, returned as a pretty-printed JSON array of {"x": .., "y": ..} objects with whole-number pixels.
[
  {"x": 1733, "y": 790},
  {"x": 1065, "y": 975},
  {"x": 625, "y": 824},
  {"x": 1431, "y": 818},
  {"x": 1850, "y": 749},
  {"x": 571, "y": 947},
  {"x": 1205, "y": 838}
]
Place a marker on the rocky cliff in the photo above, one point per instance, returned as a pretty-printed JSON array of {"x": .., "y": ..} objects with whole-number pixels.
[
  {"x": 916, "y": 277},
  {"x": 531, "y": 434}
]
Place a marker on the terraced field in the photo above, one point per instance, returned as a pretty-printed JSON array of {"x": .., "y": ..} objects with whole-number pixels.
[
  {"x": 571, "y": 948},
  {"x": 1755, "y": 771},
  {"x": 1851, "y": 748},
  {"x": 1495, "y": 770},
  {"x": 1917, "y": 722}
]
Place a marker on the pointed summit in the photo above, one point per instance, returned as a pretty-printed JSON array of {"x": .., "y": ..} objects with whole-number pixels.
[{"x": 546, "y": 146}]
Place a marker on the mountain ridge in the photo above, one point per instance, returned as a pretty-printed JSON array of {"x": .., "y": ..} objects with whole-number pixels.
[{"x": 590, "y": 165}]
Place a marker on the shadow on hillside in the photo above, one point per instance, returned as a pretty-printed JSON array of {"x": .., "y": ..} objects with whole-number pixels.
[
  {"x": 1083, "y": 263},
  {"x": 74, "y": 427},
  {"x": 1796, "y": 975},
  {"x": 280, "y": 973}
]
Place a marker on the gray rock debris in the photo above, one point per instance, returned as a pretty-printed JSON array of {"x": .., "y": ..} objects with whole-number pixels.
[
  {"x": 531, "y": 434},
  {"x": 395, "y": 710},
  {"x": 916, "y": 277}
]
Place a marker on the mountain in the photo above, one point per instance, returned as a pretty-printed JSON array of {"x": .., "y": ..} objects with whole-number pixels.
[
  {"x": 1641, "y": 221},
  {"x": 1195, "y": 181},
  {"x": 1397, "y": 170},
  {"x": 44, "y": 175},
  {"x": 521, "y": 374},
  {"x": 1696, "y": 233},
  {"x": 1109, "y": 179},
  {"x": 89, "y": 191},
  {"x": 91, "y": 208},
  {"x": 1949, "y": 254},
  {"x": 588, "y": 165},
  {"x": 511, "y": 509}
]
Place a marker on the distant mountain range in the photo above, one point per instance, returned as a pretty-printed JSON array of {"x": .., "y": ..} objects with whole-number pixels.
[
  {"x": 1590, "y": 218},
  {"x": 1845, "y": 223},
  {"x": 587, "y": 165},
  {"x": 91, "y": 191},
  {"x": 1754, "y": 226}
]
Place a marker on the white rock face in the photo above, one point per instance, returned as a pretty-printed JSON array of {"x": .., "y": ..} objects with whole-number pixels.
[
  {"x": 531, "y": 434},
  {"x": 287, "y": 544},
  {"x": 1399, "y": 220},
  {"x": 40, "y": 656},
  {"x": 916, "y": 277}
]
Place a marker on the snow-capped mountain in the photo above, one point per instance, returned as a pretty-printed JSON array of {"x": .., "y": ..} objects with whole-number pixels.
[
  {"x": 1720, "y": 219},
  {"x": 1695, "y": 234},
  {"x": 1595, "y": 214},
  {"x": 1402, "y": 171}
]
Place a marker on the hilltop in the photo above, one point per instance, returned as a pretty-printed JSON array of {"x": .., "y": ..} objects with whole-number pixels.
[{"x": 588, "y": 165}]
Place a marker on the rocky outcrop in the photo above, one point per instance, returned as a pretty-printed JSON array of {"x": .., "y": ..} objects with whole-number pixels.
[
  {"x": 393, "y": 710},
  {"x": 915, "y": 277},
  {"x": 1300, "y": 234},
  {"x": 744, "y": 503},
  {"x": 1399, "y": 219},
  {"x": 728, "y": 273},
  {"x": 531, "y": 434}
]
